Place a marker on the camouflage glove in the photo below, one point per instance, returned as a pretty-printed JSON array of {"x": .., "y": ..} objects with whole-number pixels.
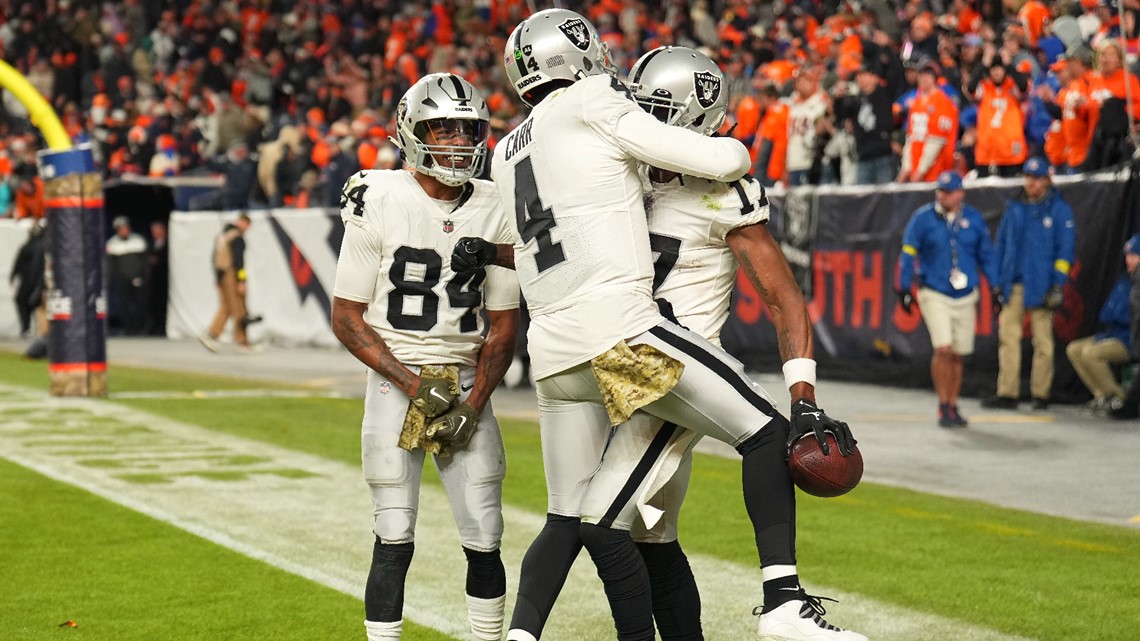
[
  {"x": 807, "y": 419},
  {"x": 435, "y": 396},
  {"x": 456, "y": 426},
  {"x": 472, "y": 253}
]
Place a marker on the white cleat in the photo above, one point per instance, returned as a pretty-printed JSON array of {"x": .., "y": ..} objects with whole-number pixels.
[{"x": 802, "y": 620}]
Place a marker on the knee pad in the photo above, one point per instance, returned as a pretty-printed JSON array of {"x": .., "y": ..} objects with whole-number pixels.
[{"x": 395, "y": 525}]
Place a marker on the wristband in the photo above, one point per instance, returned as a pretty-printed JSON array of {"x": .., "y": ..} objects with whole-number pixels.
[{"x": 799, "y": 370}]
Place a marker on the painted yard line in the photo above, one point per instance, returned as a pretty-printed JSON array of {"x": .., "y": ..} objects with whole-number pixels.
[{"x": 311, "y": 516}]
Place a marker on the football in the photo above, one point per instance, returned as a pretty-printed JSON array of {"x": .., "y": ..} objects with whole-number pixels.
[{"x": 824, "y": 475}]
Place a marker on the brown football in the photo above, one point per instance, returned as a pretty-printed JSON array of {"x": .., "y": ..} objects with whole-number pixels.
[{"x": 820, "y": 475}]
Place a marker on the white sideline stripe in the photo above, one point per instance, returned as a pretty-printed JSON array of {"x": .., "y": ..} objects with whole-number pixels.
[{"x": 319, "y": 527}]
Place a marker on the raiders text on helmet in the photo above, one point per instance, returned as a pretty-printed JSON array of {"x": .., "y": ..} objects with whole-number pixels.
[
  {"x": 449, "y": 111},
  {"x": 551, "y": 45},
  {"x": 681, "y": 86}
]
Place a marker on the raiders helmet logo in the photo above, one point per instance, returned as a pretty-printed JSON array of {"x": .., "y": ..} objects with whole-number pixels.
[
  {"x": 576, "y": 32},
  {"x": 708, "y": 88}
]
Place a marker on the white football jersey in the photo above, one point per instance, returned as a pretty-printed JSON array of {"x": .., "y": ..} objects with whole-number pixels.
[
  {"x": 802, "y": 115},
  {"x": 569, "y": 173},
  {"x": 396, "y": 257},
  {"x": 689, "y": 222}
]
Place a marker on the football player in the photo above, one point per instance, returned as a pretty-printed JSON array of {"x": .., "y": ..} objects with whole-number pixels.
[
  {"x": 682, "y": 87},
  {"x": 399, "y": 307},
  {"x": 582, "y": 252},
  {"x": 694, "y": 270}
]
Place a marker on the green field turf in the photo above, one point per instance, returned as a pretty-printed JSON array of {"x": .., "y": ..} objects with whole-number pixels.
[{"x": 1015, "y": 572}]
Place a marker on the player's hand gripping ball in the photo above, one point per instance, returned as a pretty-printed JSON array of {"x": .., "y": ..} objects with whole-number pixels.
[{"x": 823, "y": 458}]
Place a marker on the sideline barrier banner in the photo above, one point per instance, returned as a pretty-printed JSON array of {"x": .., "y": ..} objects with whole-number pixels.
[
  {"x": 860, "y": 331},
  {"x": 73, "y": 276},
  {"x": 849, "y": 236},
  {"x": 290, "y": 258}
]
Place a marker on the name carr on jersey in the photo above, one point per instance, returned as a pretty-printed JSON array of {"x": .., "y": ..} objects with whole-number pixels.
[{"x": 519, "y": 139}]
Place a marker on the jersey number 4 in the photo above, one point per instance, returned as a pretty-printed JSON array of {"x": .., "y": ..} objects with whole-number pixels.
[
  {"x": 533, "y": 219},
  {"x": 462, "y": 291}
]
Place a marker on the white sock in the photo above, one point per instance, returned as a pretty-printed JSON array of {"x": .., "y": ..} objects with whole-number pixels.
[
  {"x": 383, "y": 631},
  {"x": 486, "y": 617},
  {"x": 520, "y": 635},
  {"x": 777, "y": 572}
]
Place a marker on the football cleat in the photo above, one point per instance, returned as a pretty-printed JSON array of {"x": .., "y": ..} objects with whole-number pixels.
[{"x": 801, "y": 619}]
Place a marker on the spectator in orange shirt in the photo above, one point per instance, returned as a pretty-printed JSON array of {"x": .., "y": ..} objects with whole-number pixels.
[
  {"x": 1001, "y": 148},
  {"x": 1079, "y": 109},
  {"x": 1033, "y": 16},
  {"x": 1111, "y": 142},
  {"x": 29, "y": 198},
  {"x": 931, "y": 130},
  {"x": 771, "y": 146}
]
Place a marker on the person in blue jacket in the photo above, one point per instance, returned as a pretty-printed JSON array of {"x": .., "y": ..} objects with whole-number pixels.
[
  {"x": 1034, "y": 245},
  {"x": 1093, "y": 356},
  {"x": 947, "y": 248}
]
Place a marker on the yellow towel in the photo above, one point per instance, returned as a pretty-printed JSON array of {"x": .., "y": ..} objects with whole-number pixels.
[
  {"x": 414, "y": 432},
  {"x": 631, "y": 378}
]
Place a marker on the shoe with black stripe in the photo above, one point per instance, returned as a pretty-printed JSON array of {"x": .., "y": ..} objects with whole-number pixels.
[{"x": 801, "y": 619}]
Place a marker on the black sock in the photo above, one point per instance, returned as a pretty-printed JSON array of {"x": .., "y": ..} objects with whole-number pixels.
[
  {"x": 779, "y": 591},
  {"x": 384, "y": 592},
  {"x": 544, "y": 570},
  {"x": 769, "y": 495},
  {"x": 625, "y": 578},
  {"x": 676, "y": 601},
  {"x": 486, "y": 578}
]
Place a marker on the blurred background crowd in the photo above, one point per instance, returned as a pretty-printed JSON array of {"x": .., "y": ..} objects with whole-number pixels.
[{"x": 287, "y": 99}]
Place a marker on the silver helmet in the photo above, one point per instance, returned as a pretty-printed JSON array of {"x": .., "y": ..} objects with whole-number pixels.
[
  {"x": 553, "y": 45},
  {"x": 441, "y": 125},
  {"x": 682, "y": 87}
]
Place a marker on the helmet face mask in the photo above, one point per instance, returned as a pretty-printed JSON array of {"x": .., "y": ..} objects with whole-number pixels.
[
  {"x": 442, "y": 124},
  {"x": 681, "y": 87},
  {"x": 555, "y": 45}
]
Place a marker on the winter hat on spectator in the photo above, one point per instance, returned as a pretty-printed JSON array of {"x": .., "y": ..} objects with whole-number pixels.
[
  {"x": 120, "y": 221},
  {"x": 1082, "y": 54},
  {"x": 1036, "y": 167},
  {"x": 949, "y": 180},
  {"x": 972, "y": 40},
  {"x": 1133, "y": 245},
  {"x": 929, "y": 66}
]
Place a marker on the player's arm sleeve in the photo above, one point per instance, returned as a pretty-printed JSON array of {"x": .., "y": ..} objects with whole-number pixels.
[
  {"x": 358, "y": 267},
  {"x": 744, "y": 203},
  {"x": 501, "y": 291},
  {"x": 680, "y": 150}
]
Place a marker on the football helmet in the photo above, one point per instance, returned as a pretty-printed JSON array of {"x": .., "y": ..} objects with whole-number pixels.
[
  {"x": 441, "y": 125},
  {"x": 682, "y": 87},
  {"x": 555, "y": 44}
]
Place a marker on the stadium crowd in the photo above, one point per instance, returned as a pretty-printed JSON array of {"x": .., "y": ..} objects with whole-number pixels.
[{"x": 288, "y": 99}]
